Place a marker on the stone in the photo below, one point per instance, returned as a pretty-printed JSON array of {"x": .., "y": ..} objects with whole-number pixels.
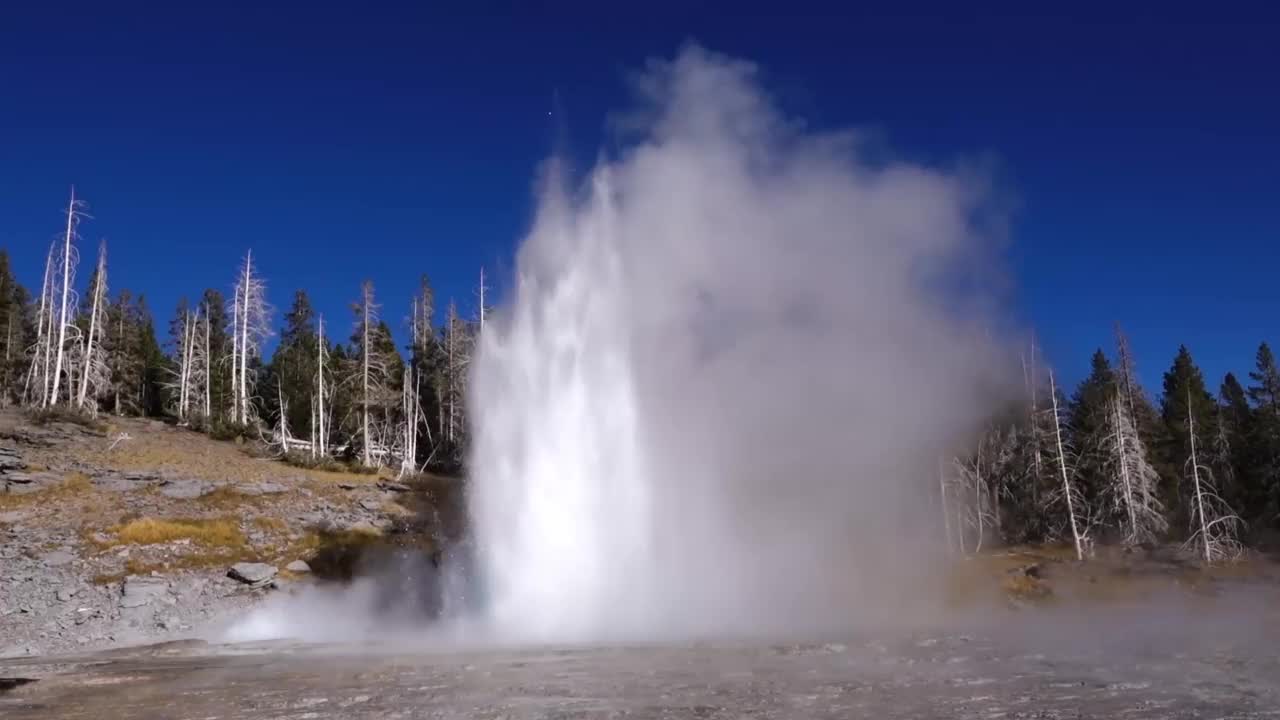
[
  {"x": 184, "y": 489},
  {"x": 140, "y": 590},
  {"x": 64, "y": 595},
  {"x": 57, "y": 558},
  {"x": 298, "y": 566},
  {"x": 255, "y": 574},
  {"x": 12, "y": 516},
  {"x": 347, "y": 486},
  {"x": 394, "y": 487},
  {"x": 371, "y": 504},
  {"x": 271, "y": 488}
]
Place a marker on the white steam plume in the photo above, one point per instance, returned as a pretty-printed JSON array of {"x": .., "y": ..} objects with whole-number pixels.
[{"x": 717, "y": 399}]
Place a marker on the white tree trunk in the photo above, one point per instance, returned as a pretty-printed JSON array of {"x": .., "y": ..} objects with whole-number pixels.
[
  {"x": 1062, "y": 467},
  {"x": 364, "y": 378},
  {"x": 99, "y": 299},
  {"x": 66, "y": 291}
]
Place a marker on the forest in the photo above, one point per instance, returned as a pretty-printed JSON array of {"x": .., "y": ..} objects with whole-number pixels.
[
  {"x": 1109, "y": 464},
  {"x": 316, "y": 400}
]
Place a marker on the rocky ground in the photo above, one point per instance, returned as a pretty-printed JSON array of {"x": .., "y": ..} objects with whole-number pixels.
[
  {"x": 1100, "y": 669},
  {"x": 136, "y": 531}
]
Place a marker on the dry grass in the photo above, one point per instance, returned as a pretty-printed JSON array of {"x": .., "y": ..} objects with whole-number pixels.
[
  {"x": 225, "y": 497},
  {"x": 208, "y": 533},
  {"x": 75, "y": 485},
  {"x": 271, "y": 524}
]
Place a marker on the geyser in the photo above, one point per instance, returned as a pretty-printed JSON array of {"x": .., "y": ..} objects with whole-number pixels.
[{"x": 733, "y": 356}]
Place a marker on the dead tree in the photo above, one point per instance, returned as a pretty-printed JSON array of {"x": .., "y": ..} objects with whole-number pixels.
[
  {"x": 36, "y": 389},
  {"x": 374, "y": 372},
  {"x": 251, "y": 325},
  {"x": 319, "y": 427},
  {"x": 1132, "y": 480},
  {"x": 66, "y": 309},
  {"x": 1215, "y": 527},
  {"x": 95, "y": 371},
  {"x": 1070, "y": 496}
]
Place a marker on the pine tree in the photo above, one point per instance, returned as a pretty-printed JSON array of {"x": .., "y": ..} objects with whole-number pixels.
[
  {"x": 1233, "y": 449},
  {"x": 1089, "y": 417},
  {"x": 13, "y": 332},
  {"x": 1264, "y": 394},
  {"x": 1185, "y": 401},
  {"x": 218, "y": 393},
  {"x": 292, "y": 370}
]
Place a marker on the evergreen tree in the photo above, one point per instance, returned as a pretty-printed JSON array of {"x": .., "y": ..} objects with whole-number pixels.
[
  {"x": 152, "y": 361},
  {"x": 1264, "y": 394},
  {"x": 1088, "y": 417},
  {"x": 1185, "y": 398},
  {"x": 13, "y": 332},
  {"x": 291, "y": 373},
  {"x": 1231, "y": 448},
  {"x": 213, "y": 306}
]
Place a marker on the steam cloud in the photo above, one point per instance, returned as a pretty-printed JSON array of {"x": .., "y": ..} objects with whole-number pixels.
[{"x": 733, "y": 358}]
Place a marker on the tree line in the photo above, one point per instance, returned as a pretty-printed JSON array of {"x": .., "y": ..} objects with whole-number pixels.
[
  {"x": 1110, "y": 465},
  {"x": 364, "y": 400}
]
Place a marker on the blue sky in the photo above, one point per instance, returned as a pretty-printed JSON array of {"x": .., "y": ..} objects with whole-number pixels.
[{"x": 384, "y": 140}]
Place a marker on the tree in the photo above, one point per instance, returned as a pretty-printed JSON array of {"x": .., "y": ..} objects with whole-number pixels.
[
  {"x": 1185, "y": 402},
  {"x": 292, "y": 370},
  {"x": 1089, "y": 418},
  {"x": 65, "y": 328},
  {"x": 218, "y": 394},
  {"x": 1264, "y": 394},
  {"x": 1134, "y": 482},
  {"x": 1215, "y": 527},
  {"x": 1071, "y": 498},
  {"x": 377, "y": 361},
  {"x": 95, "y": 373},
  {"x": 251, "y": 326},
  {"x": 1233, "y": 449},
  {"x": 14, "y": 328}
]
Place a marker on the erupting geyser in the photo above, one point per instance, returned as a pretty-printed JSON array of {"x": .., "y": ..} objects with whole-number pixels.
[{"x": 717, "y": 399}]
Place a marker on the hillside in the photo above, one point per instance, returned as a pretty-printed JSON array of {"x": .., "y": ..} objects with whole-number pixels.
[{"x": 126, "y": 531}]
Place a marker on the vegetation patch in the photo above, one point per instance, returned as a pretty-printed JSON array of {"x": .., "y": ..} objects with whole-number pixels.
[
  {"x": 209, "y": 533},
  {"x": 60, "y": 414}
]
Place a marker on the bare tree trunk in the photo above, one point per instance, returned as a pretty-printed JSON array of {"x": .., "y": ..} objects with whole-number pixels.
[
  {"x": 1062, "y": 467},
  {"x": 235, "y": 358},
  {"x": 244, "y": 341},
  {"x": 66, "y": 290},
  {"x": 208, "y": 367},
  {"x": 320, "y": 353},
  {"x": 1195, "y": 474},
  {"x": 99, "y": 290},
  {"x": 364, "y": 381}
]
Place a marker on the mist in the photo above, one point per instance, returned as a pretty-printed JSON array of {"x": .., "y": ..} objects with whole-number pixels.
[{"x": 732, "y": 358}]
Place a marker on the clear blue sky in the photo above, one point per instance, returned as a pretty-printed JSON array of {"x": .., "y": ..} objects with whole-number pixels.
[{"x": 382, "y": 140}]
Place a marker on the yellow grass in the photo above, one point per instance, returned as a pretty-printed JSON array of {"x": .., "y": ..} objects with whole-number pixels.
[
  {"x": 75, "y": 484},
  {"x": 212, "y": 533}
]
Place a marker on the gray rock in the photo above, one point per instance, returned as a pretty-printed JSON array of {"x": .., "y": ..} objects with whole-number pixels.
[
  {"x": 255, "y": 574},
  {"x": 298, "y": 566},
  {"x": 12, "y": 516},
  {"x": 371, "y": 504},
  {"x": 139, "y": 591},
  {"x": 57, "y": 558},
  {"x": 65, "y": 594},
  {"x": 394, "y": 487},
  {"x": 184, "y": 489},
  {"x": 271, "y": 488}
]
